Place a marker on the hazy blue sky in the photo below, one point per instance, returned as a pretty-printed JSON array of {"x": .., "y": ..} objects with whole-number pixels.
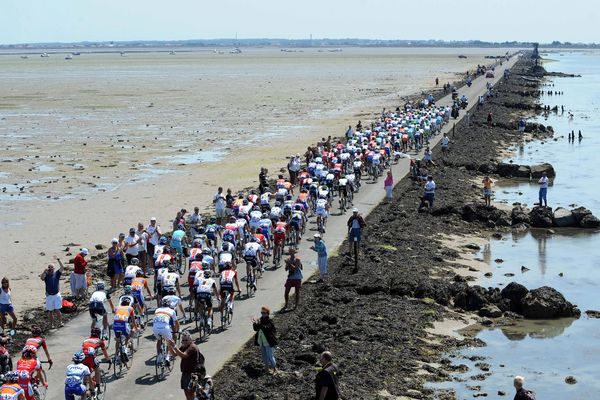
[{"x": 26, "y": 21}]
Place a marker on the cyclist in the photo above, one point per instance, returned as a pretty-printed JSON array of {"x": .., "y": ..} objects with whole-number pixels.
[
  {"x": 138, "y": 284},
  {"x": 11, "y": 390},
  {"x": 208, "y": 259},
  {"x": 170, "y": 286},
  {"x": 131, "y": 271},
  {"x": 262, "y": 240},
  {"x": 178, "y": 239},
  {"x": 158, "y": 249},
  {"x": 322, "y": 209},
  {"x": 96, "y": 306},
  {"x": 205, "y": 286},
  {"x": 356, "y": 223},
  {"x": 128, "y": 294},
  {"x": 343, "y": 188},
  {"x": 296, "y": 222},
  {"x": 196, "y": 265},
  {"x": 197, "y": 246},
  {"x": 160, "y": 273},
  {"x": 124, "y": 318},
  {"x": 29, "y": 367},
  {"x": 253, "y": 254},
  {"x": 265, "y": 197},
  {"x": 90, "y": 348},
  {"x": 266, "y": 225},
  {"x": 37, "y": 340},
  {"x": 226, "y": 255},
  {"x": 228, "y": 278},
  {"x": 164, "y": 323},
  {"x": 173, "y": 300},
  {"x": 213, "y": 230},
  {"x": 255, "y": 217},
  {"x": 78, "y": 379}
]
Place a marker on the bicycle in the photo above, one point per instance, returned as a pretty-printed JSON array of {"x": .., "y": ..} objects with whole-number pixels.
[
  {"x": 39, "y": 391},
  {"x": 321, "y": 222},
  {"x": 201, "y": 319},
  {"x": 121, "y": 358},
  {"x": 166, "y": 364},
  {"x": 227, "y": 314},
  {"x": 250, "y": 277},
  {"x": 343, "y": 204},
  {"x": 180, "y": 264},
  {"x": 94, "y": 393},
  {"x": 277, "y": 253}
]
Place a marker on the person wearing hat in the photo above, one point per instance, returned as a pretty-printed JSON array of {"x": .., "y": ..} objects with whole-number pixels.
[
  {"x": 293, "y": 266},
  {"x": 294, "y": 168},
  {"x": 356, "y": 223},
  {"x": 131, "y": 247},
  {"x": 154, "y": 233},
  {"x": 321, "y": 250},
  {"x": 78, "y": 281}
]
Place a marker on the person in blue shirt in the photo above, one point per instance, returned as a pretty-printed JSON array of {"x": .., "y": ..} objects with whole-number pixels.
[
  {"x": 321, "y": 250},
  {"x": 51, "y": 280}
]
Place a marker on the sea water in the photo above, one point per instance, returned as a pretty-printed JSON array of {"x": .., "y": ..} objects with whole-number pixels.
[{"x": 546, "y": 352}]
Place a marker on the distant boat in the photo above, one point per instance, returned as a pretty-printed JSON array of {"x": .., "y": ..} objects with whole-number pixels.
[
  {"x": 123, "y": 54},
  {"x": 172, "y": 53},
  {"x": 68, "y": 57},
  {"x": 24, "y": 57},
  {"x": 462, "y": 56},
  {"x": 44, "y": 55},
  {"x": 335, "y": 50},
  {"x": 76, "y": 53},
  {"x": 237, "y": 50}
]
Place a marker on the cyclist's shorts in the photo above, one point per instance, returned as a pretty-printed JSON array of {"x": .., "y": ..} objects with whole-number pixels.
[
  {"x": 227, "y": 288},
  {"x": 250, "y": 260},
  {"x": 96, "y": 308},
  {"x": 190, "y": 280},
  {"x": 162, "y": 332},
  {"x": 294, "y": 223},
  {"x": 206, "y": 298},
  {"x": 122, "y": 327},
  {"x": 137, "y": 294},
  {"x": 279, "y": 237},
  {"x": 74, "y": 390},
  {"x": 91, "y": 362},
  {"x": 354, "y": 233},
  {"x": 321, "y": 212},
  {"x": 177, "y": 246}
]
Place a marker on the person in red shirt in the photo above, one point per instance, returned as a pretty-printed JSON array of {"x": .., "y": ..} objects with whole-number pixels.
[
  {"x": 91, "y": 347},
  {"x": 78, "y": 279},
  {"x": 29, "y": 367},
  {"x": 37, "y": 340}
]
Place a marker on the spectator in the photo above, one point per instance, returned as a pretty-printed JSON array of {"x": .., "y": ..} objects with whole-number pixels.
[
  {"x": 445, "y": 146},
  {"x": 265, "y": 338},
  {"x": 78, "y": 279},
  {"x": 220, "y": 203},
  {"x": 487, "y": 190},
  {"x": 229, "y": 200},
  {"x": 154, "y": 234},
  {"x": 263, "y": 179},
  {"x": 142, "y": 246},
  {"x": 6, "y": 306},
  {"x": 543, "y": 182},
  {"x": 116, "y": 264},
  {"x": 522, "y": 393},
  {"x": 191, "y": 361},
  {"x": 294, "y": 168},
  {"x": 490, "y": 119},
  {"x": 51, "y": 279},
  {"x": 321, "y": 250},
  {"x": 293, "y": 266},
  {"x": 131, "y": 246},
  {"x": 388, "y": 185},
  {"x": 326, "y": 382},
  {"x": 355, "y": 224},
  {"x": 429, "y": 195}
]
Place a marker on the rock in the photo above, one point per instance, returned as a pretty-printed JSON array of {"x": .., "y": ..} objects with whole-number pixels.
[
  {"x": 473, "y": 298},
  {"x": 490, "y": 311},
  {"x": 497, "y": 235},
  {"x": 498, "y": 261},
  {"x": 514, "y": 293},
  {"x": 488, "y": 274},
  {"x": 570, "y": 380},
  {"x": 523, "y": 172},
  {"x": 593, "y": 313},
  {"x": 509, "y": 274},
  {"x": 561, "y": 274},
  {"x": 473, "y": 246},
  {"x": 524, "y": 269},
  {"x": 547, "y": 303},
  {"x": 550, "y": 231},
  {"x": 537, "y": 170},
  {"x": 541, "y": 217},
  {"x": 519, "y": 216},
  {"x": 563, "y": 218},
  {"x": 501, "y": 393},
  {"x": 579, "y": 213},
  {"x": 100, "y": 247},
  {"x": 589, "y": 222},
  {"x": 507, "y": 170},
  {"x": 309, "y": 358}
]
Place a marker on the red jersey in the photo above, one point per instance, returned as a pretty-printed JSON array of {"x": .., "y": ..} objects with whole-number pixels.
[
  {"x": 26, "y": 368},
  {"x": 37, "y": 342}
]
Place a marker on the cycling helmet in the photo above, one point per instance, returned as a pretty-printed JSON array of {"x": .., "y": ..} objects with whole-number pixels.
[
  {"x": 78, "y": 357},
  {"x": 166, "y": 250},
  {"x": 277, "y": 204},
  {"x": 232, "y": 219},
  {"x": 170, "y": 290},
  {"x": 171, "y": 268},
  {"x": 163, "y": 240},
  {"x": 165, "y": 302},
  {"x": 265, "y": 215},
  {"x": 127, "y": 290},
  {"x": 252, "y": 239},
  {"x": 259, "y": 230},
  {"x": 225, "y": 246},
  {"x": 126, "y": 301},
  {"x": 201, "y": 230},
  {"x": 297, "y": 207},
  {"x": 29, "y": 351},
  {"x": 166, "y": 264},
  {"x": 288, "y": 197},
  {"x": 206, "y": 251},
  {"x": 135, "y": 261},
  {"x": 139, "y": 273},
  {"x": 256, "y": 208},
  {"x": 11, "y": 376},
  {"x": 180, "y": 227},
  {"x": 198, "y": 256},
  {"x": 36, "y": 331},
  {"x": 207, "y": 273},
  {"x": 213, "y": 220},
  {"x": 197, "y": 243},
  {"x": 245, "y": 202},
  {"x": 227, "y": 265},
  {"x": 99, "y": 286},
  {"x": 95, "y": 332}
]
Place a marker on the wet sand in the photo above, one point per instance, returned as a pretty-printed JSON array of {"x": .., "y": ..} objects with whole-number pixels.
[{"x": 101, "y": 142}]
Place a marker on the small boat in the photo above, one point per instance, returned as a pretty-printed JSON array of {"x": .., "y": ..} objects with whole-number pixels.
[
  {"x": 76, "y": 53},
  {"x": 237, "y": 50},
  {"x": 24, "y": 57},
  {"x": 335, "y": 50},
  {"x": 123, "y": 54},
  {"x": 44, "y": 55},
  {"x": 462, "y": 56},
  {"x": 172, "y": 53},
  {"x": 69, "y": 57}
]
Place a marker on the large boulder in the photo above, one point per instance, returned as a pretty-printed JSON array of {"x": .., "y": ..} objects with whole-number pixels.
[
  {"x": 547, "y": 303},
  {"x": 524, "y": 171},
  {"x": 541, "y": 217},
  {"x": 479, "y": 212},
  {"x": 563, "y": 218},
  {"x": 538, "y": 170},
  {"x": 472, "y": 298},
  {"x": 514, "y": 293},
  {"x": 579, "y": 213},
  {"x": 507, "y": 170},
  {"x": 520, "y": 215},
  {"x": 590, "y": 222}
]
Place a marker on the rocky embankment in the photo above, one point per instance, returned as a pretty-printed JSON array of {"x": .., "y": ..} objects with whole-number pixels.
[{"x": 375, "y": 322}]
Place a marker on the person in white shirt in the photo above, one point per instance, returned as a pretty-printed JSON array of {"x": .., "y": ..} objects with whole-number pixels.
[
  {"x": 219, "y": 203},
  {"x": 429, "y": 195},
  {"x": 195, "y": 222},
  {"x": 543, "y": 182},
  {"x": 445, "y": 146},
  {"x": 154, "y": 234},
  {"x": 132, "y": 245},
  {"x": 142, "y": 246}
]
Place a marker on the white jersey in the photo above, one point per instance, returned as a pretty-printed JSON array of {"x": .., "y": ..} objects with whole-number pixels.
[
  {"x": 276, "y": 212},
  {"x": 173, "y": 300},
  {"x": 251, "y": 249},
  {"x": 205, "y": 285},
  {"x": 99, "y": 296},
  {"x": 160, "y": 273},
  {"x": 351, "y": 178},
  {"x": 342, "y": 181},
  {"x": 225, "y": 258},
  {"x": 170, "y": 279},
  {"x": 158, "y": 249},
  {"x": 264, "y": 198},
  {"x": 164, "y": 317},
  {"x": 131, "y": 271},
  {"x": 244, "y": 210},
  {"x": 255, "y": 217}
]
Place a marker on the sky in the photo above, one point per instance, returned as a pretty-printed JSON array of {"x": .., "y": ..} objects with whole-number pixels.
[{"x": 34, "y": 21}]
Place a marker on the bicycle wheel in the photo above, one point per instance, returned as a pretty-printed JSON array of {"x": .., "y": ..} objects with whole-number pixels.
[
  {"x": 102, "y": 394},
  {"x": 182, "y": 265},
  {"x": 159, "y": 369},
  {"x": 117, "y": 364},
  {"x": 39, "y": 392}
]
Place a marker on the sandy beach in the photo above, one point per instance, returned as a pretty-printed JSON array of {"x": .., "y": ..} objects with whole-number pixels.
[{"x": 150, "y": 134}]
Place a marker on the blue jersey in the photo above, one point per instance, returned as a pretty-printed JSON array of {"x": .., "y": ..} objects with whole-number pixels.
[{"x": 76, "y": 375}]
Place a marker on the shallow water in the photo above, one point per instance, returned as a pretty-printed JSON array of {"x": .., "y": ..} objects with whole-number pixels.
[{"x": 546, "y": 352}]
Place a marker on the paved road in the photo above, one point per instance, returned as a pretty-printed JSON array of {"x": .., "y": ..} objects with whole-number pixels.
[{"x": 139, "y": 382}]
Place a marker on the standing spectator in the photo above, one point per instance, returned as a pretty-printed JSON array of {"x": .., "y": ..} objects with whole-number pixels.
[
  {"x": 220, "y": 203},
  {"x": 116, "y": 264},
  {"x": 429, "y": 195},
  {"x": 388, "y": 185},
  {"x": 356, "y": 224},
  {"x": 6, "y": 306},
  {"x": 265, "y": 338},
  {"x": 294, "y": 168},
  {"x": 428, "y": 157},
  {"x": 326, "y": 382},
  {"x": 77, "y": 279},
  {"x": 195, "y": 221},
  {"x": 191, "y": 361},
  {"x": 131, "y": 246},
  {"x": 263, "y": 179},
  {"x": 142, "y": 246},
  {"x": 154, "y": 234},
  {"x": 522, "y": 393},
  {"x": 490, "y": 119},
  {"x": 543, "y": 182},
  {"x": 468, "y": 119},
  {"x": 445, "y": 146},
  {"x": 229, "y": 200},
  {"x": 293, "y": 265},
  {"x": 321, "y": 250},
  {"x": 487, "y": 190},
  {"x": 51, "y": 279}
]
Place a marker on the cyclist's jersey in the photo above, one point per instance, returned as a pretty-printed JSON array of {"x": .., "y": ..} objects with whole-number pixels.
[
  {"x": 281, "y": 227},
  {"x": 131, "y": 271},
  {"x": 323, "y": 192},
  {"x": 298, "y": 215},
  {"x": 329, "y": 178},
  {"x": 225, "y": 257},
  {"x": 343, "y": 181},
  {"x": 37, "y": 342},
  {"x": 195, "y": 266},
  {"x": 161, "y": 273},
  {"x": 170, "y": 279},
  {"x": 205, "y": 285},
  {"x": 265, "y": 224},
  {"x": 11, "y": 391},
  {"x": 76, "y": 376},
  {"x": 321, "y": 204},
  {"x": 227, "y": 278},
  {"x": 252, "y": 249},
  {"x": 212, "y": 230},
  {"x": 138, "y": 284},
  {"x": 276, "y": 212},
  {"x": 264, "y": 198},
  {"x": 245, "y": 209},
  {"x": 231, "y": 226},
  {"x": 173, "y": 300},
  {"x": 357, "y": 165},
  {"x": 99, "y": 296},
  {"x": 161, "y": 258},
  {"x": 376, "y": 159},
  {"x": 302, "y": 196},
  {"x": 241, "y": 226},
  {"x": 207, "y": 261},
  {"x": 90, "y": 346},
  {"x": 122, "y": 313},
  {"x": 252, "y": 198},
  {"x": 194, "y": 251},
  {"x": 26, "y": 369},
  {"x": 350, "y": 178},
  {"x": 288, "y": 205},
  {"x": 281, "y": 193},
  {"x": 255, "y": 217},
  {"x": 158, "y": 249},
  {"x": 177, "y": 236},
  {"x": 262, "y": 240},
  {"x": 164, "y": 317}
]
